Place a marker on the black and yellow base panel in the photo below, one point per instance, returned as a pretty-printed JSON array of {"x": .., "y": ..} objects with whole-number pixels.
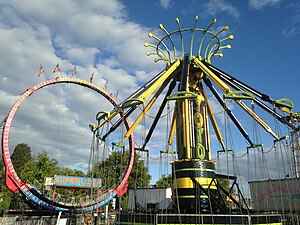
[{"x": 194, "y": 186}]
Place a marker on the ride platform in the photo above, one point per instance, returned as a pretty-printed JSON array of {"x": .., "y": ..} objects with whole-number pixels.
[{"x": 195, "y": 219}]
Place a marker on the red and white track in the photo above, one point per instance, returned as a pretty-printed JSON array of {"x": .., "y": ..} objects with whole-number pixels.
[{"x": 15, "y": 184}]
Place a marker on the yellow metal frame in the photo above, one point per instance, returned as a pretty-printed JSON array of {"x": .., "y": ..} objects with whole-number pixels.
[
  {"x": 227, "y": 90},
  {"x": 172, "y": 132},
  {"x": 147, "y": 93},
  {"x": 141, "y": 99},
  {"x": 159, "y": 81}
]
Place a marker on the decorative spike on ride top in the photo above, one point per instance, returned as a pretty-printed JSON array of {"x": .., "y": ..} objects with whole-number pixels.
[{"x": 210, "y": 43}]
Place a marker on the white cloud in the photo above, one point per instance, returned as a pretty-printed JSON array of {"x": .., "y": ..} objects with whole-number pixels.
[
  {"x": 259, "y": 4},
  {"x": 87, "y": 26},
  {"x": 96, "y": 37},
  {"x": 292, "y": 29},
  {"x": 165, "y": 3},
  {"x": 214, "y": 7},
  {"x": 82, "y": 56},
  {"x": 291, "y": 32}
]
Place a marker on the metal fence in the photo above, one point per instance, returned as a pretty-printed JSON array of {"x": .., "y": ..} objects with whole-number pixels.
[{"x": 40, "y": 220}]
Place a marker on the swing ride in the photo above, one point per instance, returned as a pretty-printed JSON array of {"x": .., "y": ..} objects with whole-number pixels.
[{"x": 192, "y": 86}]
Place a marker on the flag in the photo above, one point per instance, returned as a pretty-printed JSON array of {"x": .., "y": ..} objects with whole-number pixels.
[
  {"x": 74, "y": 71},
  {"x": 56, "y": 68},
  {"x": 91, "y": 79},
  {"x": 117, "y": 94},
  {"x": 41, "y": 70},
  {"x": 105, "y": 85}
]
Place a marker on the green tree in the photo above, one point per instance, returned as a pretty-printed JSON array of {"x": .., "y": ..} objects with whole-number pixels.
[
  {"x": 42, "y": 165},
  {"x": 165, "y": 181},
  {"x": 71, "y": 172},
  {"x": 31, "y": 169},
  {"x": 5, "y": 194},
  {"x": 225, "y": 184},
  {"x": 39, "y": 167},
  {"x": 140, "y": 177},
  {"x": 112, "y": 170},
  {"x": 21, "y": 155}
]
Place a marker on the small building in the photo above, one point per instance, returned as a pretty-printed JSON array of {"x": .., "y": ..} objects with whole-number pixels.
[
  {"x": 149, "y": 199},
  {"x": 276, "y": 195}
]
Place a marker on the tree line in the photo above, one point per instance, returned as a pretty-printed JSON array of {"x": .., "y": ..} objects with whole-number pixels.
[{"x": 34, "y": 168}]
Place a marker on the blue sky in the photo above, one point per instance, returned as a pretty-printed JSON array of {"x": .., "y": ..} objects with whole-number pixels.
[
  {"x": 266, "y": 37},
  {"x": 106, "y": 38}
]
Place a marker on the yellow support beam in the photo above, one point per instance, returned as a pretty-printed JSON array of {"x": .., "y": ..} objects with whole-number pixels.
[
  {"x": 143, "y": 113},
  {"x": 212, "y": 76},
  {"x": 256, "y": 117},
  {"x": 186, "y": 129},
  {"x": 160, "y": 80},
  {"x": 146, "y": 94},
  {"x": 215, "y": 124},
  {"x": 227, "y": 90},
  {"x": 172, "y": 132},
  {"x": 107, "y": 119}
]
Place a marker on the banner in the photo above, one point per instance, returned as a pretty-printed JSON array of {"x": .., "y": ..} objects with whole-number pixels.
[{"x": 77, "y": 182}]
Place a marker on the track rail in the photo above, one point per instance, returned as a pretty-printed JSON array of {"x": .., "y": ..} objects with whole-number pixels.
[{"x": 15, "y": 184}]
